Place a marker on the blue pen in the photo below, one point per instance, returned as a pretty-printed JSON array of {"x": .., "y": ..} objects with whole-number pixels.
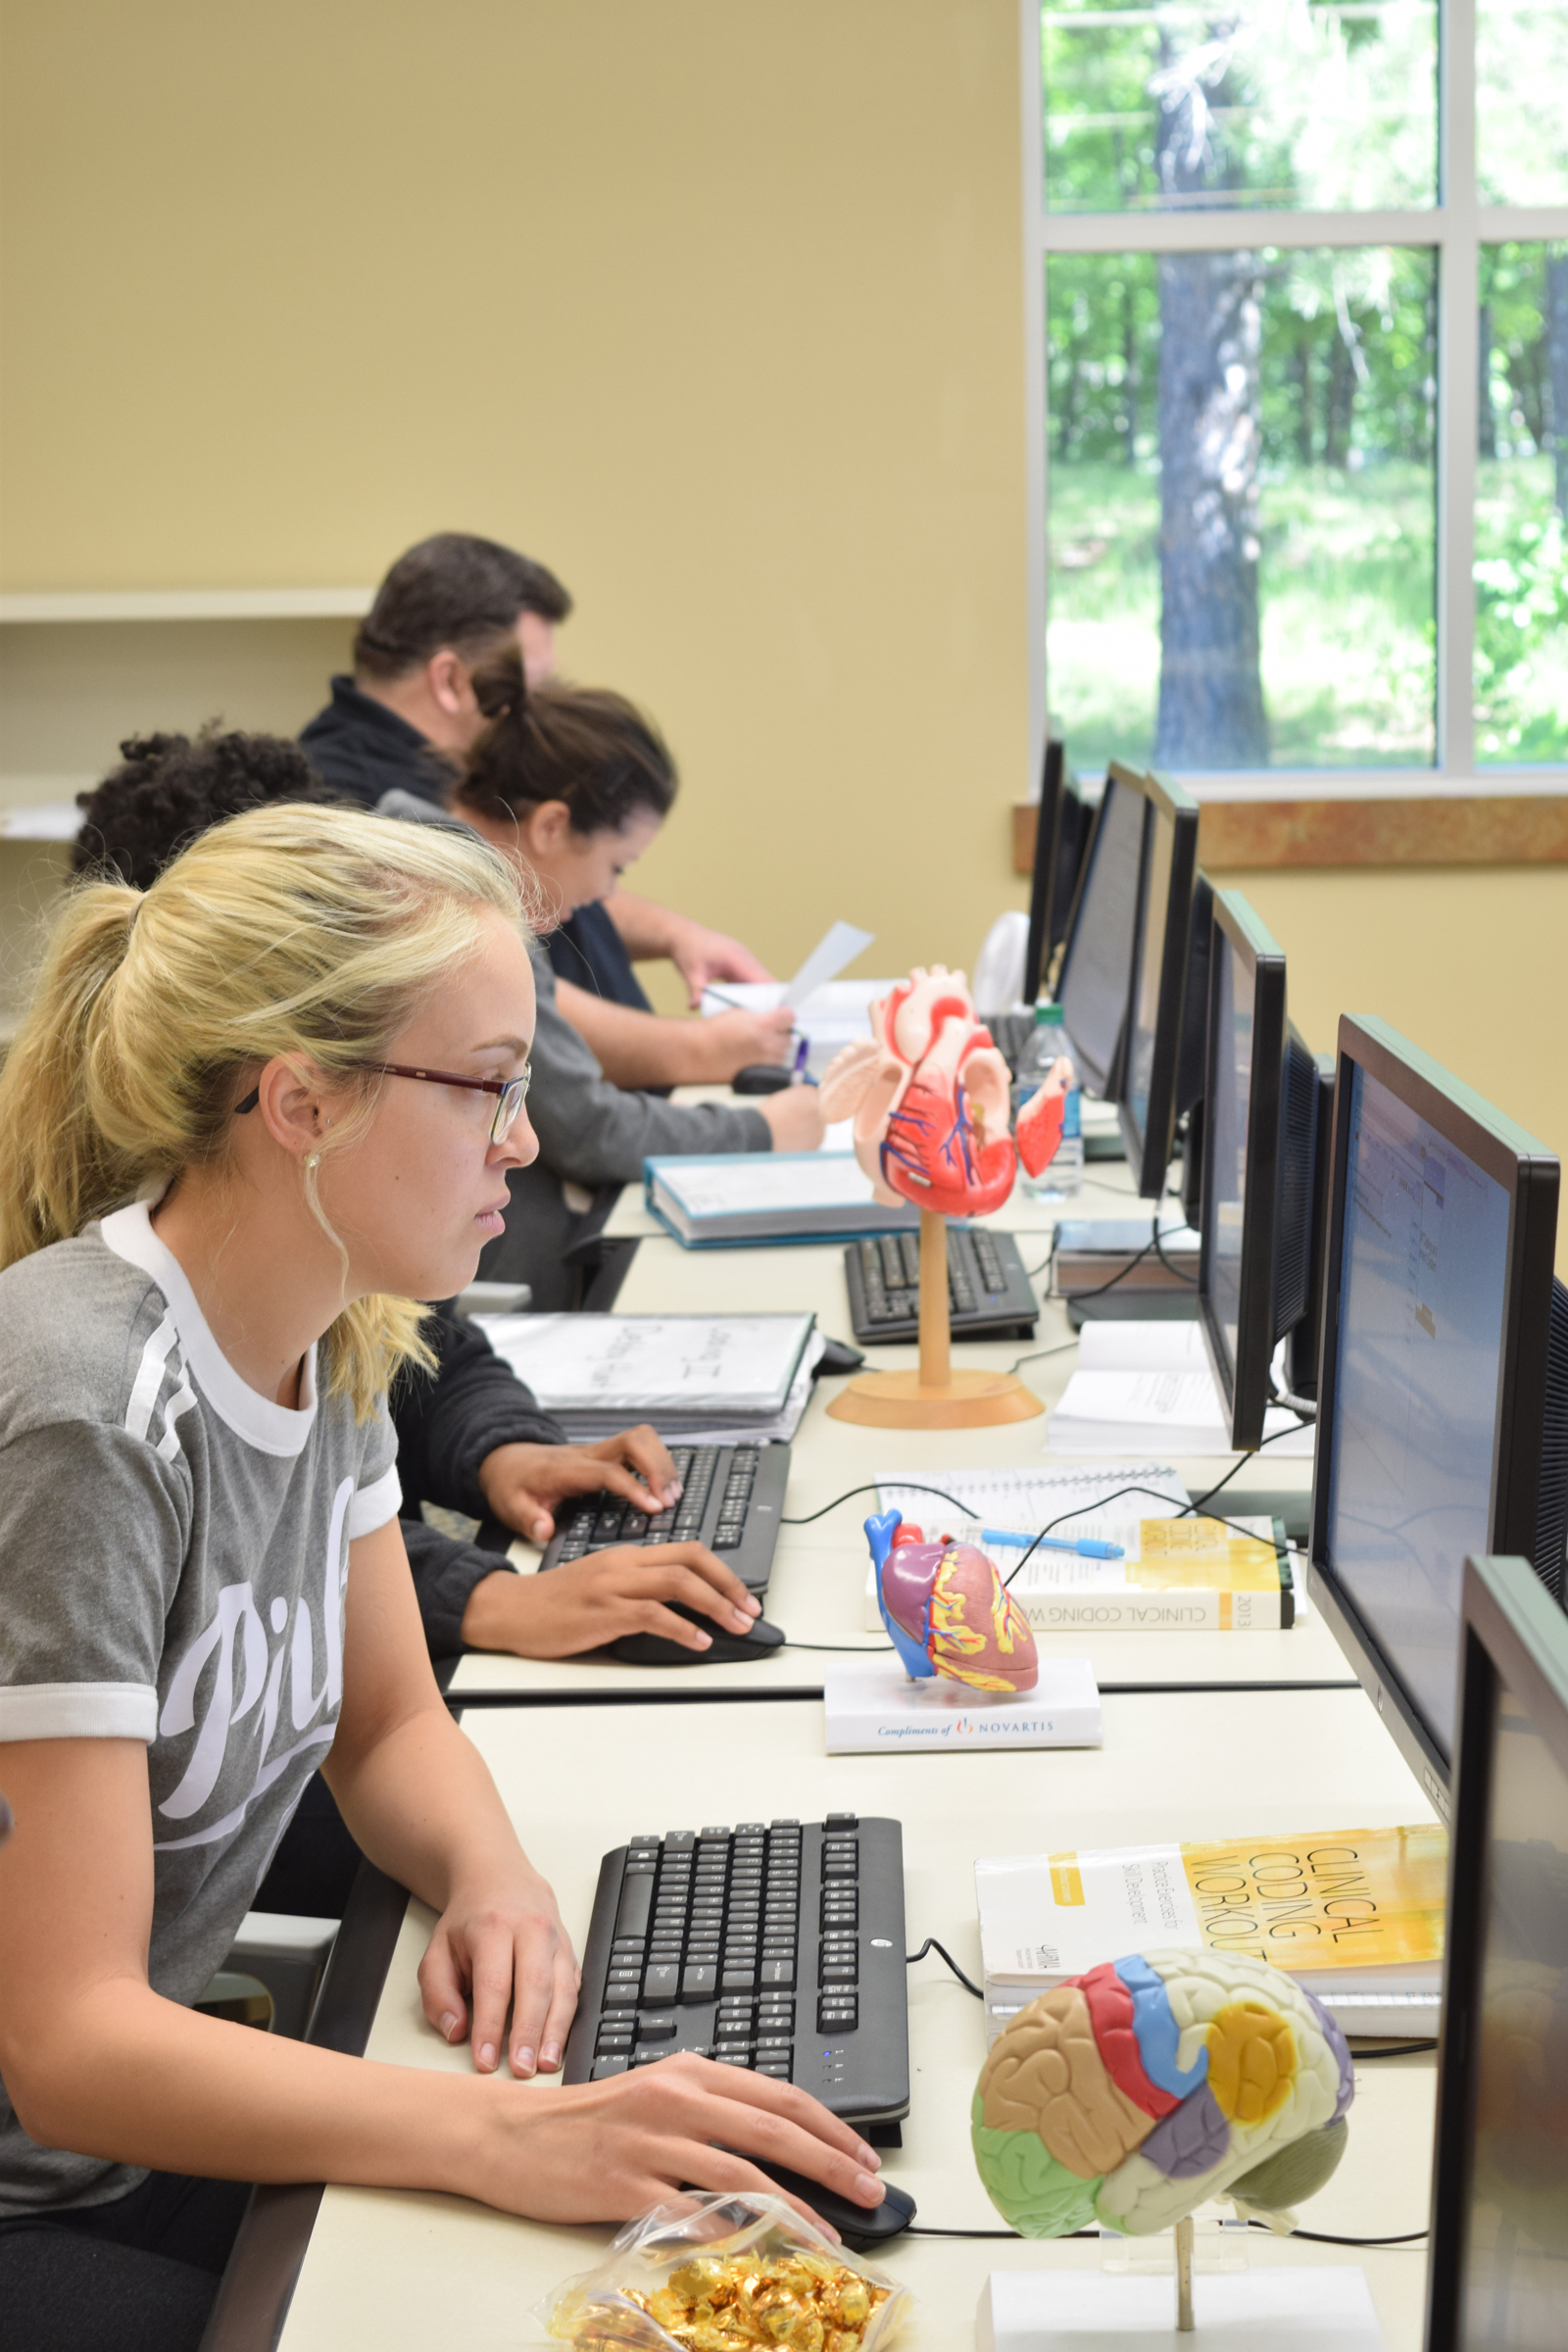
[
  {"x": 803, "y": 1053},
  {"x": 1088, "y": 1548}
]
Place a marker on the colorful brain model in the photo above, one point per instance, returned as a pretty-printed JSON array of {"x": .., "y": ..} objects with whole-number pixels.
[
  {"x": 946, "y": 1610},
  {"x": 1133, "y": 2095}
]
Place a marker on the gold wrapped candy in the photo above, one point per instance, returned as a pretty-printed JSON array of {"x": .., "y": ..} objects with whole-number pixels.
[{"x": 772, "y": 2297}]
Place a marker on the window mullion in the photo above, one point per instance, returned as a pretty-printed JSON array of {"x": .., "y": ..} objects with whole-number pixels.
[{"x": 1458, "y": 390}]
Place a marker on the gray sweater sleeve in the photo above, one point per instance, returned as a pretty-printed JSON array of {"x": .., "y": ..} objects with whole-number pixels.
[{"x": 590, "y": 1132}]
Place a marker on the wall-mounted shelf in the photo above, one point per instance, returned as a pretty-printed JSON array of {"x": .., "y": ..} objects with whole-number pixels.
[{"x": 188, "y": 604}]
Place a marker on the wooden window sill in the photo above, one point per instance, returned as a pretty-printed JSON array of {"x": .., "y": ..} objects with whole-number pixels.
[{"x": 1251, "y": 835}]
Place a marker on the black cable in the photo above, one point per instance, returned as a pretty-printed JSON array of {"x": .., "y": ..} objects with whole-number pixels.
[
  {"x": 1033, "y": 1357},
  {"x": 1175, "y": 1272},
  {"x": 1079, "y": 1511},
  {"x": 1392, "y": 2050},
  {"x": 1070, "y": 1297},
  {"x": 920, "y": 2229},
  {"x": 931, "y": 1946},
  {"x": 907, "y": 1485},
  {"x": 855, "y": 1649},
  {"x": 1321, "y": 2237}
]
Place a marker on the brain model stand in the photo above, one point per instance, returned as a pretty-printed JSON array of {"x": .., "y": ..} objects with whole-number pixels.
[
  {"x": 1132, "y": 2095},
  {"x": 929, "y": 1097}
]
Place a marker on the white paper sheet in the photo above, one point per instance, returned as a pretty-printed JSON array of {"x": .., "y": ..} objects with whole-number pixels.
[
  {"x": 641, "y": 1365},
  {"x": 836, "y": 948}
]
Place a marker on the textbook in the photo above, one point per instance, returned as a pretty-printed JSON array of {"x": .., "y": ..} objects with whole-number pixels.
[
  {"x": 698, "y": 1374},
  {"x": 1176, "y": 1574},
  {"x": 717, "y": 1200},
  {"x": 1354, "y": 1915}
]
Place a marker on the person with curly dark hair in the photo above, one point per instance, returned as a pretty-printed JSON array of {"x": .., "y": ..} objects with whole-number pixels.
[{"x": 168, "y": 788}]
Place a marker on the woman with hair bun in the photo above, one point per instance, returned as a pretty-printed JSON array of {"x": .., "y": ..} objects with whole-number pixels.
[
  {"x": 253, "y": 1113},
  {"x": 572, "y": 784}
]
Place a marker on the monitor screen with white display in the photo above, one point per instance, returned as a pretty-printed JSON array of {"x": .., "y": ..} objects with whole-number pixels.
[
  {"x": 1423, "y": 1285},
  {"x": 1499, "y": 2274},
  {"x": 1230, "y": 1089},
  {"x": 1436, "y": 1359}
]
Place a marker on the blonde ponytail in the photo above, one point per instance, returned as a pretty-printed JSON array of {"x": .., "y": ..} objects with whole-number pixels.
[{"x": 291, "y": 929}]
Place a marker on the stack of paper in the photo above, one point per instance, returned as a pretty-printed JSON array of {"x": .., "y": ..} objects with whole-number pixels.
[
  {"x": 1177, "y": 1574},
  {"x": 689, "y": 1375},
  {"x": 750, "y": 1197},
  {"x": 1354, "y": 1915},
  {"x": 1143, "y": 1384}
]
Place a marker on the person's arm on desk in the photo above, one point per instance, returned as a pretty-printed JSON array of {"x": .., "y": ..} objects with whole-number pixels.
[
  {"x": 641, "y": 1048},
  {"x": 96, "y": 2062},
  {"x": 699, "y": 954}
]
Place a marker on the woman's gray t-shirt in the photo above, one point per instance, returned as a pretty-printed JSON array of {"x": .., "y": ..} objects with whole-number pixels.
[{"x": 173, "y": 1551}]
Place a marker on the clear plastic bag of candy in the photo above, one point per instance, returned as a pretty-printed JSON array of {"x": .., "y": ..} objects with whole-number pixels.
[{"x": 726, "y": 2274}]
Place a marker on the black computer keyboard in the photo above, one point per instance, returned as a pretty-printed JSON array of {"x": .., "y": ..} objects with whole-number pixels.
[
  {"x": 777, "y": 1946},
  {"x": 731, "y": 1501},
  {"x": 990, "y": 1295}
]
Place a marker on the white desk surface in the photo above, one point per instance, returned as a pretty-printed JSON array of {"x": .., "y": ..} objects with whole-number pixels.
[
  {"x": 398, "y": 2269},
  {"x": 817, "y": 1590}
]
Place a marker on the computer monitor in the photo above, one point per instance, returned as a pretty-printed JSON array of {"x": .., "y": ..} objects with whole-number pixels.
[
  {"x": 1439, "y": 1428},
  {"x": 1497, "y": 2267},
  {"x": 1160, "y": 974},
  {"x": 1096, "y": 961},
  {"x": 1261, "y": 1120},
  {"x": 1048, "y": 852}
]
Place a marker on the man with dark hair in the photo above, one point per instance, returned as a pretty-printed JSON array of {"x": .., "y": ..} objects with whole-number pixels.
[{"x": 407, "y": 716}]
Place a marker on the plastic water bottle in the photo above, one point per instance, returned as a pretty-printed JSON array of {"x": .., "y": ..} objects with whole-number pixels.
[{"x": 1063, "y": 1179}]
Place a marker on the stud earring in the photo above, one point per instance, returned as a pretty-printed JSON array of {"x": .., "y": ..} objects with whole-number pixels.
[{"x": 312, "y": 1159}]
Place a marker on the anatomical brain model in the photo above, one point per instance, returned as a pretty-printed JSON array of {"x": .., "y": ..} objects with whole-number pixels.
[
  {"x": 928, "y": 1092},
  {"x": 1134, "y": 2093},
  {"x": 946, "y": 1610}
]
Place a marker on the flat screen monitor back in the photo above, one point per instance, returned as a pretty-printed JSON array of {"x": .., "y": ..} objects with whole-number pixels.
[
  {"x": 1097, "y": 966},
  {"x": 1437, "y": 1317},
  {"x": 1247, "y": 1038},
  {"x": 1047, "y": 854},
  {"x": 1162, "y": 964},
  {"x": 1498, "y": 2274}
]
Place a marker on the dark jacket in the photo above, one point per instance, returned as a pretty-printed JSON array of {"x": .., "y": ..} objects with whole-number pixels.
[
  {"x": 447, "y": 1422},
  {"x": 362, "y": 749},
  {"x": 589, "y": 952}
]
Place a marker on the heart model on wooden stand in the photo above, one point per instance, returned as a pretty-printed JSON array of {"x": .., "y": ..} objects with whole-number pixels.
[{"x": 928, "y": 1095}]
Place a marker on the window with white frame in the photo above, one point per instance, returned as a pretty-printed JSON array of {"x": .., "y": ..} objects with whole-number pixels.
[{"x": 1300, "y": 354}]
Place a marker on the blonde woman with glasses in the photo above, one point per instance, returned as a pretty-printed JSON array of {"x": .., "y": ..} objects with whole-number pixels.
[{"x": 255, "y": 1113}]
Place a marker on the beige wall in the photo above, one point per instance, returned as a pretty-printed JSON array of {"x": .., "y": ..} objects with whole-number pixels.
[
  {"x": 714, "y": 304},
  {"x": 1469, "y": 964}
]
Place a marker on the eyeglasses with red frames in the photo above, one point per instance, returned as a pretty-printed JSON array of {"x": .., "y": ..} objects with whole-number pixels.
[{"x": 513, "y": 1093}]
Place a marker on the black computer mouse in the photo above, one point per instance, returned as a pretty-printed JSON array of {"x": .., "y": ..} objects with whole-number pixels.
[
  {"x": 760, "y": 1078},
  {"x": 862, "y": 2227},
  {"x": 726, "y": 1648}
]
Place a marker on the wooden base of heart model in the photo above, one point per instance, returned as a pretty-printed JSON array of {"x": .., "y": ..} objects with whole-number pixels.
[
  {"x": 935, "y": 1396},
  {"x": 904, "y": 1401}
]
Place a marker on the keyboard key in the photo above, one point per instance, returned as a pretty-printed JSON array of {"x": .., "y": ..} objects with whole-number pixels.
[
  {"x": 836, "y": 1972},
  {"x": 656, "y": 2025},
  {"x": 649, "y": 2053},
  {"x": 776, "y": 2070},
  {"x": 778, "y": 1975},
  {"x": 661, "y": 1983},
  {"x": 604, "y": 2067},
  {"x": 741, "y": 1978},
  {"x": 699, "y": 1982}
]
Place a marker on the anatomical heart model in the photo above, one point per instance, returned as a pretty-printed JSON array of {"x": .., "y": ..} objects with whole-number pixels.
[
  {"x": 947, "y": 1611},
  {"x": 928, "y": 1095}
]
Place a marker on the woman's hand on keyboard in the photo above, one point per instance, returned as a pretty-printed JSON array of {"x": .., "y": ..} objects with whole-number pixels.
[
  {"x": 499, "y": 1945},
  {"x": 597, "y": 1600},
  {"x": 604, "y": 2151},
  {"x": 523, "y": 1484}
]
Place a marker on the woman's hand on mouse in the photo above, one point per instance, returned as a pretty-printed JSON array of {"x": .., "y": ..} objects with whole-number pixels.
[
  {"x": 523, "y": 1484},
  {"x": 795, "y": 1115},
  {"x": 735, "y": 1040},
  {"x": 604, "y": 2151},
  {"x": 625, "y": 1590}
]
